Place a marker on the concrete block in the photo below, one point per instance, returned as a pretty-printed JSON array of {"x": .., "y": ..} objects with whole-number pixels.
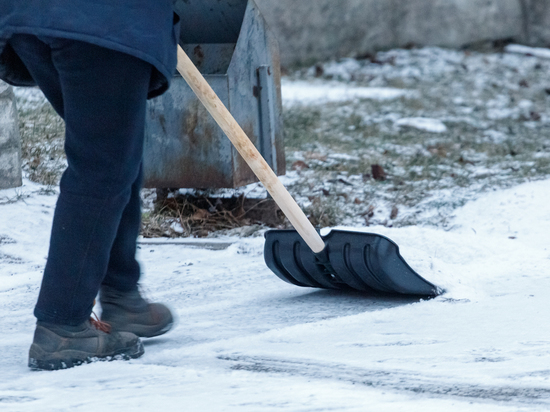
[
  {"x": 324, "y": 29},
  {"x": 10, "y": 141},
  {"x": 537, "y": 22},
  {"x": 454, "y": 23}
]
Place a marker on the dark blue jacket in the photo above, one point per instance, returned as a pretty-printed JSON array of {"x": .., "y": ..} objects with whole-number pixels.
[{"x": 147, "y": 29}]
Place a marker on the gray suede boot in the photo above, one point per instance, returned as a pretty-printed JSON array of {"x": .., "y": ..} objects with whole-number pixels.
[
  {"x": 129, "y": 312},
  {"x": 64, "y": 346}
]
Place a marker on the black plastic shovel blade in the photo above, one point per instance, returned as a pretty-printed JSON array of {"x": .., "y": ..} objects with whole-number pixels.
[{"x": 356, "y": 260}]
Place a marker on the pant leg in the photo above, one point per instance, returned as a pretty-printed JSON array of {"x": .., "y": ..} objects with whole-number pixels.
[
  {"x": 104, "y": 98},
  {"x": 123, "y": 271},
  {"x": 40, "y": 64}
]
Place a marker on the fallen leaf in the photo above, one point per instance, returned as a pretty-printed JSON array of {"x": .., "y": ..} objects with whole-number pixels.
[
  {"x": 319, "y": 71},
  {"x": 378, "y": 172},
  {"x": 299, "y": 165},
  {"x": 200, "y": 214}
]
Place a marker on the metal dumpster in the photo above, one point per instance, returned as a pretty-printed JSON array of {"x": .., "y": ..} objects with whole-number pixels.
[{"x": 229, "y": 42}]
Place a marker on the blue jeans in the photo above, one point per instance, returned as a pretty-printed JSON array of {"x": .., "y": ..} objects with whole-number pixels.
[{"x": 101, "y": 94}]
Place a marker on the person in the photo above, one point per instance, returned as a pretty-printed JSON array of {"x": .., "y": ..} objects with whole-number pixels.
[{"x": 97, "y": 62}]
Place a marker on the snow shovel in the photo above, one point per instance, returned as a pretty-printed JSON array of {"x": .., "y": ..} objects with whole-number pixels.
[{"x": 340, "y": 260}]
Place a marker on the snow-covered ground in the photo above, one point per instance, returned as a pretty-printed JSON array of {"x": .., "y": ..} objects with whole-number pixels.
[
  {"x": 246, "y": 341},
  {"x": 445, "y": 125},
  {"x": 309, "y": 93}
]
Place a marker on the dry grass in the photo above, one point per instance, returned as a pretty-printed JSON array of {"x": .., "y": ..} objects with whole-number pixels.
[
  {"x": 42, "y": 138},
  {"x": 186, "y": 215}
]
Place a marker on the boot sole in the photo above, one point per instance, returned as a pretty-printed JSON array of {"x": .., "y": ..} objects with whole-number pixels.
[
  {"x": 143, "y": 331},
  {"x": 42, "y": 360},
  {"x": 140, "y": 330}
]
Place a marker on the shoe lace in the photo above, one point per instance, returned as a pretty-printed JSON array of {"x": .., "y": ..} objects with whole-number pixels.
[{"x": 99, "y": 325}]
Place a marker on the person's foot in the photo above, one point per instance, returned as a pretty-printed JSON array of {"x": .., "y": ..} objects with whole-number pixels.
[
  {"x": 64, "y": 346},
  {"x": 129, "y": 312}
]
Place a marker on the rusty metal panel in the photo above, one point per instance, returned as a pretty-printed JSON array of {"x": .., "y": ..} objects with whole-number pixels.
[
  {"x": 229, "y": 42},
  {"x": 185, "y": 146},
  {"x": 255, "y": 48},
  {"x": 210, "y": 58},
  {"x": 267, "y": 115}
]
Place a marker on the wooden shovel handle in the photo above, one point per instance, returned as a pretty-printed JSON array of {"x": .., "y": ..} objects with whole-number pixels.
[{"x": 249, "y": 152}]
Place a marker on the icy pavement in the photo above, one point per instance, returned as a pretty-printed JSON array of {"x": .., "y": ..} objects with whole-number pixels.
[{"x": 246, "y": 341}]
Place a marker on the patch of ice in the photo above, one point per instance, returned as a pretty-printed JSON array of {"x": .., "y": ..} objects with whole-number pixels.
[
  {"x": 423, "y": 123},
  {"x": 302, "y": 92},
  {"x": 529, "y": 51}
]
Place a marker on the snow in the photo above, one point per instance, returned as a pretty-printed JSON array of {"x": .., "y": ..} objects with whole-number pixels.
[
  {"x": 246, "y": 341},
  {"x": 423, "y": 123},
  {"x": 488, "y": 102},
  {"x": 29, "y": 97},
  {"x": 302, "y": 92},
  {"x": 530, "y": 51}
]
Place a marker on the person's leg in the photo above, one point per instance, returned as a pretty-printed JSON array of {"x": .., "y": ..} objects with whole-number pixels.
[
  {"x": 123, "y": 307},
  {"x": 38, "y": 58},
  {"x": 57, "y": 346},
  {"x": 123, "y": 270},
  {"x": 104, "y": 98}
]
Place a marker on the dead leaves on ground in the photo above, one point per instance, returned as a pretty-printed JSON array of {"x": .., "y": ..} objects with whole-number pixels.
[{"x": 197, "y": 216}]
